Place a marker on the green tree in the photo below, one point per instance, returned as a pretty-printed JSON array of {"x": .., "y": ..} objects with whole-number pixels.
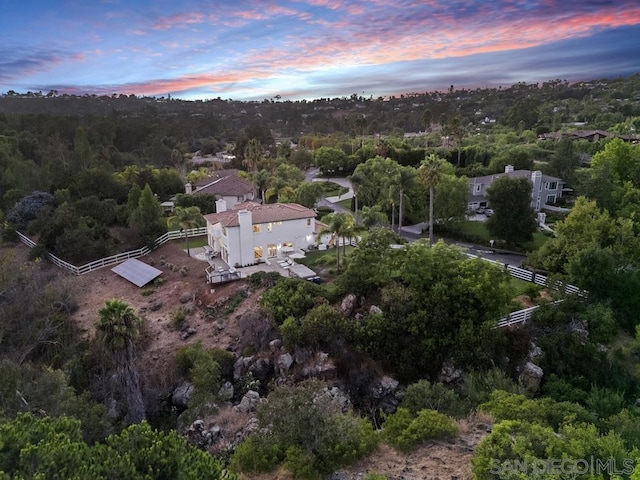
[
  {"x": 513, "y": 219},
  {"x": 373, "y": 216},
  {"x": 147, "y": 218},
  {"x": 330, "y": 160},
  {"x": 253, "y": 154},
  {"x": 308, "y": 194},
  {"x": 338, "y": 225},
  {"x": 450, "y": 202},
  {"x": 186, "y": 219},
  {"x": 430, "y": 172},
  {"x": 118, "y": 327}
]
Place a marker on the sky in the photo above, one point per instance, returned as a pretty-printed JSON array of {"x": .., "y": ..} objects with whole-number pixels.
[{"x": 308, "y": 49}]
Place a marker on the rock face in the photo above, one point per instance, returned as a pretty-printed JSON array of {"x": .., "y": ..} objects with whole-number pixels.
[
  {"x": 226, "y": 392},
  {"x": 449, "y": 372},
  {"x": 320, "y": 366},
  {"x": 531, "y": 376},
  {"x": 249, "y": 402},
  {"x": 283, "y": 364},
  {"x": 200, "y": 436},
  {"x": 348, "y": 305},
  {"x": 241, "y": 366},
  {"x": 182, "y": 394}
]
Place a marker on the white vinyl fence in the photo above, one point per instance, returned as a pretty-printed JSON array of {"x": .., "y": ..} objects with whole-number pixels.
[{"x": 120, "y": 257}]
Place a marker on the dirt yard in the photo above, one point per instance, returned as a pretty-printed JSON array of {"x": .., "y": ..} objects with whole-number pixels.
[{"x": 158, "y": 305}]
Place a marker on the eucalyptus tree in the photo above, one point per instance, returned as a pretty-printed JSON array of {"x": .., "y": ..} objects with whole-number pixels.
[{"x": 117, "y": 328}]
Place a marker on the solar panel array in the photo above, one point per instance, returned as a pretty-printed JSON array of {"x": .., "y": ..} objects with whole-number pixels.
[{"x": 137, "y": 272}]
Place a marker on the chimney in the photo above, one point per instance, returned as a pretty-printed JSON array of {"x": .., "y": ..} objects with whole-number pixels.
[
  {"x": 188, "y": 188},
  {"x": 221, "y": 205},
  {"x": 508, "y": 168}
]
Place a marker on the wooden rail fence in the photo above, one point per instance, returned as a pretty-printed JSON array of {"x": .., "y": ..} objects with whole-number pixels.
[{"x": 107, "y": 261}]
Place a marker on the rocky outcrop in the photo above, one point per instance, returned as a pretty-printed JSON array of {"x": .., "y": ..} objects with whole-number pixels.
[
  {"x": 182, "y": 394},
  {"x": 531, "y": 376},
  {"x": 449, "y": 372},
  {"x": 348, "y": 305},
  {"x": 249, "y": 402},
  {"x": 283, "y": 364},
  {"x": 320, "y": 366},
  {"x": 200, "y": 436}
]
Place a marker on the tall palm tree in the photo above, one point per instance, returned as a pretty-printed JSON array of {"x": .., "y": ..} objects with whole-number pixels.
[
  {"x": 427, "y": 118},
  {"x": 253, "y": 153},
  {"x": 185, "y": 219},
  {"x": 280, "y": 188},
  {"x": 356, "y": 180},
  {"x": 261, "y": 181},
  {"x": 118, "y": 326},
  {"x": 405, "y": 178},
  {"x": 337, "y": 226},
  {"x": 429, "y": 173}
]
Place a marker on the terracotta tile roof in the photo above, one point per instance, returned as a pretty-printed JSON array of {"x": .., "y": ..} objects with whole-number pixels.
[
  {"x": 272, "y": 212},
  {"x": 224, "y": 183}
]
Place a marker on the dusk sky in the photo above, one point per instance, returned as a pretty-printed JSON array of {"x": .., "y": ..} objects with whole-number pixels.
[{"x": 255, "y": 49}]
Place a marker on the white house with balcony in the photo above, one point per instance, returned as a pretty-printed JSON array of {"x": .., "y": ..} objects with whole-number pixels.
[
  {"x": 545, "y": 189},
  {"x": 251, "y": 232}
]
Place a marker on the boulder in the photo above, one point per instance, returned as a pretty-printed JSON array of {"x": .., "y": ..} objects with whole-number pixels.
[
  {"x": 275, "y": 344},
  {"x": 249, "y": 402},
  {"x": 200, "y": 436},
  {"x": 241, "y": 366},
  {"x": 374, "y": 309},
  {"x": 283, "y": 364},
  {"x": 301, "y": 355},
  {"x": 449, "y": 372},
  {"x": 186, "y": 297},
  {"x": 531, "y": 376},
  {"x": 349, "y": 304},
  {"x": 182, "y": 394},
  {"x": 226, "y": 392},
  {"x": 320, "y": 366},
  {"x": 262, "y": 369}
]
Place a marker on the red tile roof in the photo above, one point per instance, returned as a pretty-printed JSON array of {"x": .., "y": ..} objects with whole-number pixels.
[
  {"x": 224, "y": 183},
  {"x": 272, "y": 212}
]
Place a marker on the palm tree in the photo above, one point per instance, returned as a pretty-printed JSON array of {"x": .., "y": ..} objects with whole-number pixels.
[
  {"x": 337, "y": 226},
  {"x": 430, "y": 172},
  {"x": 253, "y": 153},
  {"x": 118, "y": 326},
  {"x": 356, "y": 181},
  {"x": 185, "y": 219},
  {"x": 279, "y": 188},
  {"x": 405, "y": 179},
  {"x": 427, "y": 118},
  {"x": 261, "y": 181},
  {"x": 372, "y": 216}
]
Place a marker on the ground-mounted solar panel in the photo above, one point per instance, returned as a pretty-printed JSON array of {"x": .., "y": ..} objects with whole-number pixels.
[{"x": 137, "y": 272}]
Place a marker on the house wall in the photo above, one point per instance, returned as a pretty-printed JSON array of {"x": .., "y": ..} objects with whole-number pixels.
[
  {"x": 237, "y": 247},
  {"x": 297, "y": 232},
  {"x": 233, "y": 200}
]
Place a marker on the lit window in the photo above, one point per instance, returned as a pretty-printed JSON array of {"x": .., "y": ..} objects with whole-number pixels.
[
  {"x": 269, "y": 226},
  {"x": 272, "y": 250},
  {"x": 277, "y": 223},
  {"x": 257, "y": 228},
  {"x": 257, "y": 253}
]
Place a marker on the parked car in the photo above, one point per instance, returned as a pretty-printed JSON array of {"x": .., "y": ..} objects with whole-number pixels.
[
  {"x": 488, "y": 212},
  {"x": 480, "y": 211}
]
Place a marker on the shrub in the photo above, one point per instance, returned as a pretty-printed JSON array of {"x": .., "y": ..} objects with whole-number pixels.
[
  {"x": 178, "y": 318},
  {"x": 257, "y": 454},
  {"x": 313, "y": 438},
  {"x": 424, "y": 395},
  {"x": 404, "y": 431},
  {"x": 264, "y": 279},
  {"x": 234, "y": 301}
]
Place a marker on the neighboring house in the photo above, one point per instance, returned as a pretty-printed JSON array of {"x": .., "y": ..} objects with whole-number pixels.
[
  {"x": 545, "y": 188},
  {"x": 252, "y": 232},
  {"x": 225, "y": 185}
]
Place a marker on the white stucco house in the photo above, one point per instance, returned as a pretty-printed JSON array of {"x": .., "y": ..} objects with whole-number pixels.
[
  {"x": 226, "y": 185},
  {"x": 251, "y": 232},
  {"x": 545, "y": 188}
]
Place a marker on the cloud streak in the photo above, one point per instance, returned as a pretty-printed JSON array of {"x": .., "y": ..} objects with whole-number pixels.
[{"x": 248, "y": 48}]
